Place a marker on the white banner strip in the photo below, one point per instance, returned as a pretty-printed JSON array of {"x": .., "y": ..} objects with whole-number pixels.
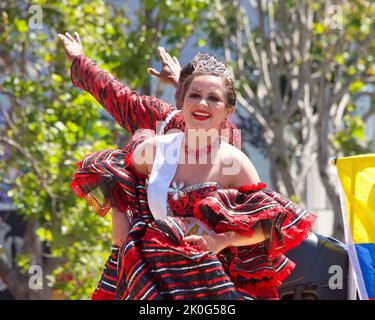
[{"x": 353, "y": 258}]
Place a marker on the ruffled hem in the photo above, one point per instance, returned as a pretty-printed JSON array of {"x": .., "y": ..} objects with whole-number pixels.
[
  {"x": 242, "y": 225},
  {"x": 106, "y": 179},
  {"x": 267, "y": 277},
  {"x": 252, "y": 187},
  {"x": 113, "y": 172},
  {"x": 222, "y": 213},
  {"x": 239, "y": 210},
  {"x": 294, "y": 236}
]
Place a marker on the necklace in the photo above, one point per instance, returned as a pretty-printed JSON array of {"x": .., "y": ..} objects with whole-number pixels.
[
  {"x": 197, "y": 153},
  {"x": 209, "y": 149}
]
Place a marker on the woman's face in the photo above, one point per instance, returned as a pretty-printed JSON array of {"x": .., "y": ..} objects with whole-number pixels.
[{"x": 205, "y": 104}]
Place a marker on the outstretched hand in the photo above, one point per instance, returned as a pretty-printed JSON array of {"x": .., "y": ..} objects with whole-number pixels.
[
  {"x": 72, "y": 45},
  {"x": 170, "y": 70}
]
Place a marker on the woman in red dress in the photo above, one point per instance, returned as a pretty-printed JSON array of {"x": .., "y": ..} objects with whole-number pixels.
[{"x": 194, "y": 231}]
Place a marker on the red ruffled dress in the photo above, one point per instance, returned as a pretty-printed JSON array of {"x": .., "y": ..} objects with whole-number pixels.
[{"x": 155, "y": 262}]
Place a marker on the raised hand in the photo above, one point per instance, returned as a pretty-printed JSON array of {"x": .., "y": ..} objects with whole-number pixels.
[
  {"x": 170, "y": 70},
  {"x": 72, "y": 45}
]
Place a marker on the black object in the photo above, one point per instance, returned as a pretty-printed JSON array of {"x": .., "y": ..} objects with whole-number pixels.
[{"x": 318, "y": 259}]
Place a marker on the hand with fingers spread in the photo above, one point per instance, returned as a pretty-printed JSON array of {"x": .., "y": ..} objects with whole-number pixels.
[
  {"x": 170, "y": 70},
  {"x": 72, "y": 45}
]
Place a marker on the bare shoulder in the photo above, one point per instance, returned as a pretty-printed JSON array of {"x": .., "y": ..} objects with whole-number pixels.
[
  {"x": 229, "y": 152},
  {"x": 238, "y": 166}
]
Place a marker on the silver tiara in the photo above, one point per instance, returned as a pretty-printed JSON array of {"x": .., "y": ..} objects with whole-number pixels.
[{"x": 204, "y": 63}]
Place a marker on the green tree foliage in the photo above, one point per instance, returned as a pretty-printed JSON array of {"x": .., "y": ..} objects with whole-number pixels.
[
  {"x": 149, "y": 23},
  {"x": 49, "y": 125},
  {"x": 300, "y": 68}
]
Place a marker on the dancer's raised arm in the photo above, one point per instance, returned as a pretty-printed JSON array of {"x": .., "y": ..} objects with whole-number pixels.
[{"x": 130, "y": 110}]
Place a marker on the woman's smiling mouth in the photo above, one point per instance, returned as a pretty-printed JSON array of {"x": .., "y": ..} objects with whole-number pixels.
[{"x": 201, "y": 115}]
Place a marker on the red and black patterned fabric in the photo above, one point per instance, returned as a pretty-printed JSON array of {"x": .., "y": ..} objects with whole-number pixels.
[
  {"x": 155, "y": 263},
  {"x": 107, "y": 284},
  {"x": 130, "y": 110}
]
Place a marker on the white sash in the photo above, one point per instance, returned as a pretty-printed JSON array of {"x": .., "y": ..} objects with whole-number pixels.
[
  {"x": 168, "y": 148},
  {"x": 195, "y": 226}
]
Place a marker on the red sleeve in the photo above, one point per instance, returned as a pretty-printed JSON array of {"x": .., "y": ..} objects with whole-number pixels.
[
  {"x": 240, "y": 209},
  {"x": 263, "y": 265},
  {"x": 130, "y": 110},
  {"x": 107, "y": 178}
]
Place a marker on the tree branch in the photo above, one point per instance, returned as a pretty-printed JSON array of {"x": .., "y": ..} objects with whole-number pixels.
[
  {"x": 11, "y": 278},
  {"x": 268, "y": 134},
  {"x": 12, "y": 143},
  {"x": 368, "y": 114}
]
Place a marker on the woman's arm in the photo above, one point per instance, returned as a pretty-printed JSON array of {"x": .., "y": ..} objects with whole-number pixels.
[
  {"x": 234, "y": 239},
  {"x": 143, "y": 156},
  {"x": 220, "y": 241},
  {"x": 244, "y": 173},
  {"x": 130, "y": 110},
  {"x": 120, "y": 227}
]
